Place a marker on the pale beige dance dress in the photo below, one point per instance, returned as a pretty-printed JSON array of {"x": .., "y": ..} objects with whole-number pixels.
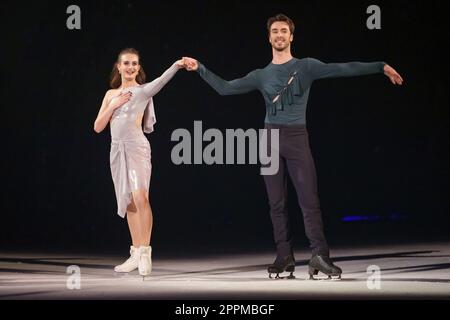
[{"x": 130, "y": 155}]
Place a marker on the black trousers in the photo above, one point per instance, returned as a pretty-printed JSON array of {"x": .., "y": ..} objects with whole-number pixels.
[{"x": 296, "y": 160}]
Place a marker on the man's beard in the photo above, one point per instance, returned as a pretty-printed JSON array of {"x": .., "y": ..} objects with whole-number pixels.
[{"x": 280, "y": 49}]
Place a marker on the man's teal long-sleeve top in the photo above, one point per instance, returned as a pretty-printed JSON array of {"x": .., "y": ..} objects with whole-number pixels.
[{"x": 285, "y": 87}]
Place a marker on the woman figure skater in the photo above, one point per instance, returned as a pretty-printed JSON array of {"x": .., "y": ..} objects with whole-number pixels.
[{"x": 128, "y": 107}]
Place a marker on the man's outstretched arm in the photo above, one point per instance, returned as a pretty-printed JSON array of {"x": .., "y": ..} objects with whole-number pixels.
[
  {"x": 319, "y": 70},
  {"x": 223, "y": 87}
]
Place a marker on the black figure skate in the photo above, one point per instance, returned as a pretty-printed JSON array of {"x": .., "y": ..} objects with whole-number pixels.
[
  {"x": 281, "y": 265},
  {"x": 325, "y": 265}
]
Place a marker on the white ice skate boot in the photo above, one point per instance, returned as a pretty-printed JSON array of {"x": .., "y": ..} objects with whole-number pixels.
[
  {"x": 145, "y": 260},
  {"x": 132, "y": 262}
]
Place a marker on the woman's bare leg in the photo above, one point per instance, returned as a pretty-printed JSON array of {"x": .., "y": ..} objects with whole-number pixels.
[
  {"x": 145, "y": 216},
  {"x": 134, "y": 224}
]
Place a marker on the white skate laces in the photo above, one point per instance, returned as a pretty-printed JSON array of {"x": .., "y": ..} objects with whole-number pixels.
[
  {"x": 132, "y": 262},
  {"x": 145, "y": 260}
]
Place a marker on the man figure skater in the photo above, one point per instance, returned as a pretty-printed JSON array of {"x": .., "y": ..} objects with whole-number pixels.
[{"x": 285, "y": 85}]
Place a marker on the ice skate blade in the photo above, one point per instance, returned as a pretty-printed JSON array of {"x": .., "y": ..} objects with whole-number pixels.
[
  {"x": 146, "y": 278},
  {"x": 329, "y": 278},
  {"x": 121, "y": 274},
  {"x": 277, "y": 277}
]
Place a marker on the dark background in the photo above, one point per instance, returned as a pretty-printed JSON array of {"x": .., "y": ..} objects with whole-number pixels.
[{"x": 381, "y": 151}]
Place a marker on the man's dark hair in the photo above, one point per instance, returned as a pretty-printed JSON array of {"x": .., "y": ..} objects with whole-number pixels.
[{"x": 282, "y": 18}]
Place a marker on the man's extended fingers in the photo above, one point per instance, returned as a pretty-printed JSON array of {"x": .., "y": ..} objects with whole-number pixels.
[{"x": 398, "y": 79}]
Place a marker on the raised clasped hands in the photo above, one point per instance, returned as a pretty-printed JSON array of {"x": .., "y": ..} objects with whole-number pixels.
[{"x": 187, "y": 63}]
